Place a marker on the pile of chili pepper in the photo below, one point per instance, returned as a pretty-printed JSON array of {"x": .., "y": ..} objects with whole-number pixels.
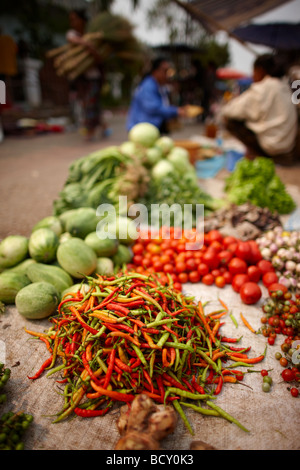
[{"x": 130, "y": 335}]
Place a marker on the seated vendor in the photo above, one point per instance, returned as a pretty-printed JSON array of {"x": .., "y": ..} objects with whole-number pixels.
[{"x": 264, "y": 117}]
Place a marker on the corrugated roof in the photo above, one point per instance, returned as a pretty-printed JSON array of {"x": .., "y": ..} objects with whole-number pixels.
[{"x": 226, "y": 15}]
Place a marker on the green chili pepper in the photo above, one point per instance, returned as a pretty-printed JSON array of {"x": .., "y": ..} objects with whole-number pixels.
[{"x": 225, "y": 415}]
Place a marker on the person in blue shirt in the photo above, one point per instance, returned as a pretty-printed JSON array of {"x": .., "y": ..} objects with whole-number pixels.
[{"x": 150, "y": 102}]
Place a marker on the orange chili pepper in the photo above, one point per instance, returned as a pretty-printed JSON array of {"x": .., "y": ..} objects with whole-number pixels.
[
  {"x": 247, "y": 324},
  {"x": 201, "y": 315}
]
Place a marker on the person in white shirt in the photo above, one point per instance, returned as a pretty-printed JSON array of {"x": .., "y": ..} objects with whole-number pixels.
[{"x": 264, "y": 117}]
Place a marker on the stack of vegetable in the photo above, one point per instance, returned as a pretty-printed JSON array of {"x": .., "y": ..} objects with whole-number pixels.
[
  {"x": 256, "y": 181},
  {"x": 58, "y": 254},
  {"x": 130, "y": 335},
  {"x": 282, "y": 249},
  {"x": 113, "y": 39},
  {"x": 147, "y": 169},
  {"x": 12, "y": 424}
]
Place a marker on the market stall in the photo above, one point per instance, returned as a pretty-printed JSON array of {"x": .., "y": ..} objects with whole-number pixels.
[{"x": 174, "y": 298}]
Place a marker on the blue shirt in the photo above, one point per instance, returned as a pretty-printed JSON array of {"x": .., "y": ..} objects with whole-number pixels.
[{"x": 150, "y": 104}]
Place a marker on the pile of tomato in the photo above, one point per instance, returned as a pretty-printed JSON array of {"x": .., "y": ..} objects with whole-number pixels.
[{"x": 212, "y": 260}]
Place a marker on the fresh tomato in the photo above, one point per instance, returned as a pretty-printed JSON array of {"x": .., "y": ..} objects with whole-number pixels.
[
  {"x": 237, "y": 266},
  {"x": 220, "y": 281},
  {"x": 228, "y": 277},
  {"x": 180, "y": 266},
  {"x": 203, "y": 269},
  {"x": 250, "y": 293},
  {"x": 137, "y": 260},
  {"x": 243, "y": 250},
  {"x": 216, "y": 246},
  {"x": 138, "y": 248},
  {"x": 158, "y": 266},
  {"x": 168, "y": 268},
  {"x": 254, "y": 273},
  {"x": 183, "y": 277},
  {"x": 177, "y": 286},
  {"x": 216, "y": 272},
  {"x": 238, "y": 280},
  {"x": 208, "y": 279},
  {"x": 276, "y": 286},
  {"x": 214, "y": 235},
  {"x": 191, "y": 264},
  {"x": 256, "y": 255},
  {"x": 211, "y": 259},
  {"x": 225, "y": 256},
  {"x": 228, "y": 240},
  {"x": 194, "y": 276},
  {"x": 232, "y": 247},
  {"x": 265, "y": 266},
  {"x": 269, "y": 278},
  {"x": 153, "y": 248}
]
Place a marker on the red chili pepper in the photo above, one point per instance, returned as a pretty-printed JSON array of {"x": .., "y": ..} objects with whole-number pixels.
[
  {"x": 136, "y": 363},
  {"x": 188, "y": 385},
  {"x": 210, "y": 376},
  {"x": 110, "y": 368},
  {"x": 88, "y": 369},
  {"x": 118, "y": 396},
  {"x": 41, "y": 370},
  {"x": 90, "y": 413},
  {"x": 219, "y": 386},
  {"x": 161, "y": 388},
  {"x": 153, "y": 331},
  {"x": 229, "y": 340},
  {"x": 72, "y": 299},
  {"x": 135, "y": 303},
  {"x": 174, "y": 382},
  {"x": 196, "y": 386},
  {"x": 75, "y": 337},
  {"x": 118, "y": 308},
  {"x": 82, "y": 322},
  {"x": 122, "y": 365},
  {"x": 107, "y": 299}
]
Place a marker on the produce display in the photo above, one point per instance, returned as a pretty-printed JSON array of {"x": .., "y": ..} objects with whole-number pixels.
[
  {"x": 12, "y": 425},
  {"x": 130, "y": 335},
  {"x": 282, "y": 249},
  {"x": 281, "y": 316},
  {"x": 256, "y": 181},
  {"x": 246, "y": 221},
  {"x": 53, "y": 259},
  {"x": 147, "y": 169},
  {"x": 122, "y": 332},
  {"x": 220, "y": 260}
]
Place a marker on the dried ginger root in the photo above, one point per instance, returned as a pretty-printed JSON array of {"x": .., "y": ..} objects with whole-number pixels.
[{"x": 144, "y": 424}]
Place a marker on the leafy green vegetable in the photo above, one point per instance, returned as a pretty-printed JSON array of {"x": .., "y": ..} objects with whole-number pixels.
[
  {"x": 179, "y": 189},
  {"x": 256, "y": 181}
]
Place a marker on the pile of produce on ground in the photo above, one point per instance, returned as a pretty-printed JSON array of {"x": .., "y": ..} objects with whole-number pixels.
[
  {"x": 218, "y": 260},
  {"x": 282, "y": 249},
  {"x": 281, "y": 316},
  {"x": 111, "y": 36},
  {"x": 129, "y": 335},
  {"x": 12, "y": 424},
  {"x": 246, "y": 221},
  {"x": 147, "y": 169},
  {"x": 256, "y": 181},
  {"x": 60, "y": 251}
]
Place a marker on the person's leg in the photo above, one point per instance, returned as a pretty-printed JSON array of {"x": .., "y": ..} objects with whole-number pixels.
[
  {"x": 239, "y": 130},
  {"x": 91, "y": 107}
]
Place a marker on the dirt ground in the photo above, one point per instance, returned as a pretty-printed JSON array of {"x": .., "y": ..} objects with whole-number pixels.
[{"x": 33, "y": 170}]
